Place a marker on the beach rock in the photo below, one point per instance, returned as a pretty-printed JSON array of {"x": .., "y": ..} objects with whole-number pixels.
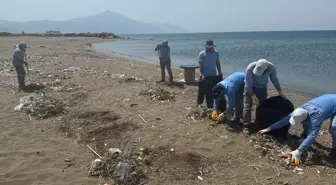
[
  {"x": 97, "y": 164},
  {"x": 114, "y": 151}
]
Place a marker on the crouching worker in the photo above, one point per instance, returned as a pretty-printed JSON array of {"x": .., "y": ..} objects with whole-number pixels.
[
  {"x": 18, "y": 62},
  {"x": 233, "y": 88},
  {"x": 311, "y": 115}
]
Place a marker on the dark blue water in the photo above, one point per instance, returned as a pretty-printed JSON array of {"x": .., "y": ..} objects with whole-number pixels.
[{"x": 305, "y": 60}]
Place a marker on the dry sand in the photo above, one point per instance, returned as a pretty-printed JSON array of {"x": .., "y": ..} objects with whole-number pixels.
[{"x": 104, "y": 103}]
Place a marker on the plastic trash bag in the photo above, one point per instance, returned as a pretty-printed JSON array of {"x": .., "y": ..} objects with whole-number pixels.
[
  {"x": 272, "y": 110},
  {"x": 122, "y": 171}
]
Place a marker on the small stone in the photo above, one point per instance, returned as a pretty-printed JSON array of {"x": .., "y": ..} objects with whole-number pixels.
[
  {"x": 97, "y": 163},
  {"x": 172, "y": 150},
  {"x": 200, "y": 178},
  {"x": 67, "y": 160},
  {"x": 114, "y": 151}
]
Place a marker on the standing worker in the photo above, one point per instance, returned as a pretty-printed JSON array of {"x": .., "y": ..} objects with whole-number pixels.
[
  {"x": 18, "y": 62},
  {"x": 256, "y": 80},
  {"x": 165, "y": 61},
  {"x": 233, "y": 87},
  {"x": 209, "y": 64},
  {"x": 311, "y": 115}
]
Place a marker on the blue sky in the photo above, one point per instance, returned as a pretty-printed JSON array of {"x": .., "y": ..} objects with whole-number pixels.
[{"x": 195, "y": 15}]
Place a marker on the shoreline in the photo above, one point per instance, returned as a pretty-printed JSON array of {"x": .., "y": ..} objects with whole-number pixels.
[
  {"x": 114, "y": 102},
  {"x": 175, "y": 67}
]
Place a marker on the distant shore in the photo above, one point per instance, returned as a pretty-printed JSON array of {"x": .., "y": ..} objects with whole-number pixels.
[{"x": 58, "y": 34}]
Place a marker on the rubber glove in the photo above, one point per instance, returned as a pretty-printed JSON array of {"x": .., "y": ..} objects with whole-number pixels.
[
  {"x": 256, "y": 101},
  {"x": 220, "y": 117},
  {"x": 282, "y": 95},
  {"x": 264, "y": 131},
  {"x": 214, "y": 115},
  {"x": 257, "y": 104},
  {"x": 295, "y": 157}
]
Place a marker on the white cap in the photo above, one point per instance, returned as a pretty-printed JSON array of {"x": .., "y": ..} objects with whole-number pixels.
[
  {"x": 260, "y": 67},
  {"x": 298, "y": 116}
]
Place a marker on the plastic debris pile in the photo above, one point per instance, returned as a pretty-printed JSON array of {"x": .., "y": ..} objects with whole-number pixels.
[
  {"x": 40, "y": 106},
  {"x": 158, "y": 93},
  {"x": 129, "y": 79},
  {"x": 120, "y": 167},
  {"x": 198, "y": 113}
]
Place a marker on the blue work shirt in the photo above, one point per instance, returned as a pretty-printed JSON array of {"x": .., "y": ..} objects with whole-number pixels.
[
  {"x": 18, "y": 56},
  {"x": 253, "y": 80},
  {"x": 209, "y": 62},
  {"x": 230, "y": 85},
  {"x": 319, "y": 109},
  {"x": 164, "y": 51}
]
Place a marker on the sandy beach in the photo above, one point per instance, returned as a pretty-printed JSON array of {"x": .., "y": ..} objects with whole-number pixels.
[{"x": 105, "y": 96}]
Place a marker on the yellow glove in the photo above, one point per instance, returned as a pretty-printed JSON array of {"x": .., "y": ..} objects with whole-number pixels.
[
  {"x": 220, "y": 117},
  {"x": 214, "y": 115},
  {"x": 257, "y": 104},
  {"x": 262, "y": 132},
  {"x": 295, "y": 157}
]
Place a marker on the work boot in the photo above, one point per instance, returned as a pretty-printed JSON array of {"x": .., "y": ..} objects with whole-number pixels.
[
  {"x": 171, "y": 79},
  {"x": 236, "y": 121},
  {"x": 333, "y": 153},
  {"x": 21, "y": 80}
]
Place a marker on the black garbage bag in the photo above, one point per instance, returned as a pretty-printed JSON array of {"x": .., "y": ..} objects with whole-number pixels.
[
  {"x": 272, "y": 110},
  {"x": 222, "y": 104}
]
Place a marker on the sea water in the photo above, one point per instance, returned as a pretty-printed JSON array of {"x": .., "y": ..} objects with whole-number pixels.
[{"x": 305, "y": 60}]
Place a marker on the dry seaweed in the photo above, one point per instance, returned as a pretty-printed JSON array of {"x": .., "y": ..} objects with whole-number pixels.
[{"x": 158, "y": 93}]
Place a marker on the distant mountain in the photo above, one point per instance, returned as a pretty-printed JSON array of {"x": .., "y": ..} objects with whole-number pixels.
[{"x": 102, "y": 22}]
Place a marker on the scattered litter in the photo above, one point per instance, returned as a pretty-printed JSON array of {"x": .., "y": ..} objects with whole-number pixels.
[
  {"x": 40, "y": 106},
  {"x": 67, "y": 160},
  {"x": 123, "y": 79},
  {"x": 158, "y": 93},
  {"x": 114, "y": 151},
  {"x": 94, "y": 152},
  {"x": 142, "y": 118},
  {"x": 133, "y": 105},
  {"x": 198, "y": 113},
  {"x": 200, "y": 178},
  {"x": 124, "y": 168},
  {"x": 298, "y": 169}
]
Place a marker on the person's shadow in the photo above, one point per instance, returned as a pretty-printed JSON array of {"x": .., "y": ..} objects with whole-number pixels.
[{"x": 174, "y": 84}]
